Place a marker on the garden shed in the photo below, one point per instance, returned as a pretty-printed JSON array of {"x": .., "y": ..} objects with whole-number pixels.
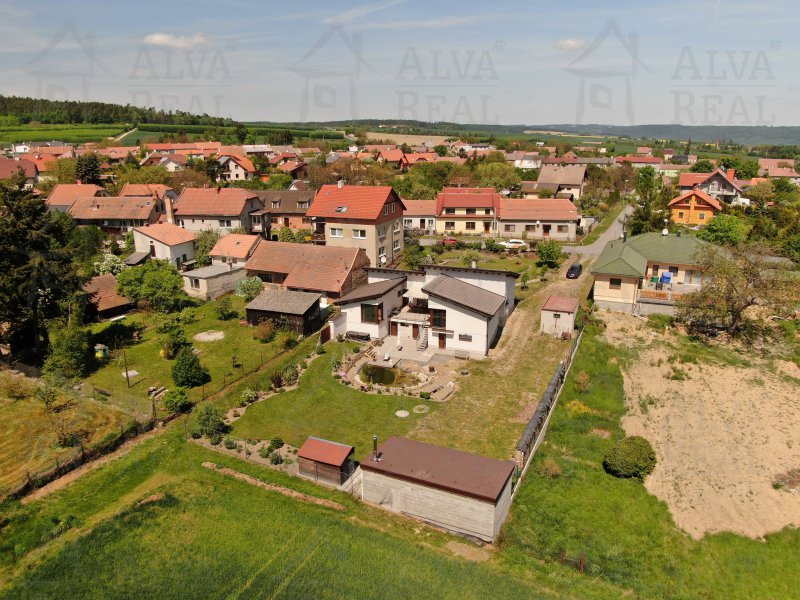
[
  {"x": 558, "y": 316},
  {"x": 323, "y": 460},
  {"x": 300, "y": 310},
  {"x": 459, "y": 491}
]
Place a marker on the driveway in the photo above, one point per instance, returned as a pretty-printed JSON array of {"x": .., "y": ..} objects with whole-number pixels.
[{"x": 612, "y": 233}]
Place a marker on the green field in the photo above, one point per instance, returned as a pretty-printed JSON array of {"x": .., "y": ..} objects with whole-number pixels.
[{"x": 77, "y": 134}]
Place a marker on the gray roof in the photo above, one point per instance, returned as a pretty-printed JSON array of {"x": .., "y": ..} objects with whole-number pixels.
[
  {"x": 465, "y": 294},
  {"x": 284, "y": 301},
  {"x": 631, "y": 257},
  {"x": 371, "y": 290},
  {"x": 288, "y": 199},
  {"x": 211, "y": 271},
  {"x": 136, "y": 258}
]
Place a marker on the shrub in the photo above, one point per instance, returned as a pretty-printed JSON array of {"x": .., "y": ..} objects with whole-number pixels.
[
  {"x": 276, "y": 379},
  {"x": 248, "y": 396},
  {"x": 275, "y": 458},
  {"x": 549, "y": 468},
  {"x": 172, "y": 342},
  {"x": 285, "y": 340},
  {"x": 249, "y": 288},
  {"x": 186, "y": 316},
  {"x": 176, "y": 401},
  {"x": 264, "y": 452},
  {"x": 229, "y": 442},
  {"x": 321, "y": 349},
  {"x": 275, "y": 443},
  {"x": 425, "y": 395},
  {"x": 223, "y": 308},
  {"x": 264, "y": 332},
  {"x": 583, "y": 382},
  {"x": 71, "y": 355},
  {"x": 290, "y": 375},
  {"x": 631, "y": 457},
  {"x": 209, "y": 421},
  {"x": 195, "y": 433},
  {"x": 215, "y": 439},
  {"x": 187, "y": 370},
  {"x": 16, "y": 387},
  {"x": 549, "y": 252},
  {"x": 335, "y": 364}
]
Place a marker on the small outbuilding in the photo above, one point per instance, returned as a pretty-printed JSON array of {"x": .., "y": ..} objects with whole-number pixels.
[
  {"x": 208, "y": 283},
  {"x": 299, "y": 309},
  {"x": 558, "y": 316},
  {"x": 459, "y": 491},
  {"x": 326, "y": 461},
  {"x": 103, "y": 291}
]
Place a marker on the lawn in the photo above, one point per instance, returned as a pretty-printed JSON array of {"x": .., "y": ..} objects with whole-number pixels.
[
  {"x": 28, "y": 440},
  {"x": 324, "y": 407},
  {"x": 502, "y": 261},
  {"x": 204, "y": 535},
  {"x": 627, "y": 535},
  {"x": 143, "y": 357},
  {"x": 67, "y": 133},
  {"x": 604, "y": 224}
]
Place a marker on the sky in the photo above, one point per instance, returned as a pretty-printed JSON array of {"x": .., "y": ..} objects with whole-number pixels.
[{"x": 702, "y": 62}]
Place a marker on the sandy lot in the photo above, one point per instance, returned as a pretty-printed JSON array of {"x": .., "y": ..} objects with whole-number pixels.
[
  {"x": 411, "y": 140},
  {"x": 722, "y": 435}
]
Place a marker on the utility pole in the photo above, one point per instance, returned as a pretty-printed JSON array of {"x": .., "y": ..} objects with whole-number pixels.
[{"x": 127, "y": 375}]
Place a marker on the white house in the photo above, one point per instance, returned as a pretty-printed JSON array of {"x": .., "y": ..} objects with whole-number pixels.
[
  {"x": 224, "y": 209},
  {"x": 165, "y": 241},
  {"x": 558, "y": 316},
  {"x": 212, "y": 281},
  {"x": 236, "y": 168}
]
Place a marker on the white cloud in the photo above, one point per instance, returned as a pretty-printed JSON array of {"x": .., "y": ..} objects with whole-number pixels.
[
  {"x": 427, "y": 24},
  {"x": 571, "y": 44},
  {"x": 174, "y": 41},
  {"x": 360, "y": 11}
]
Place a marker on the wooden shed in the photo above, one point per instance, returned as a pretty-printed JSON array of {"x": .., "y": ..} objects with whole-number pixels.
[
  {"x": 558, "y": 316},
  {"x": 323, "y": 460},
  {"x": 299, "y": 309},
  {"x": 459, "y": 491}
]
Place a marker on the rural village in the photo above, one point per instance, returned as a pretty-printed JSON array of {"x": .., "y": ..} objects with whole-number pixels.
[{"x": 390, "y": 359}]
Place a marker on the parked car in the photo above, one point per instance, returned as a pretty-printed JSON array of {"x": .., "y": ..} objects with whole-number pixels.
[
  {"x": 513, "y": 244},
  {"x": 450, "y": 241},
  {"x": 575, "y": 271}
]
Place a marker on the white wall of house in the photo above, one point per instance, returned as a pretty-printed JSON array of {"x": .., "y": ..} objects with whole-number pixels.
[
  {"x": 615, "y": 292},
  {"x": 454, "y": 512},
  {"x": 466, "y": 331},
  {"x": 390, "y": 301},
  {"x": 142, "y": 243},
  {"x": 376, "y": 240},
  {"x": 211, "y": 287},
  {"x": 535, "y": 230},
  {"x": 556, "y": 323}
]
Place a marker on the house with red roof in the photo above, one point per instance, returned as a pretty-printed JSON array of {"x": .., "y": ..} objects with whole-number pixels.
[
  {"x": 420, "y": 216},
  {"x": 9, "y": 167},
  {"x": 644, "y": 151},
  {"x": 233, "y": 249},
  {"x": 224, "y": 209},
  {"x": 693, "y": 207},
  {"x": 165, "y": 241},
  {"x": 114, "y": 212},
  {"x": 467, "y": 210},
  {"x": 361, "y": 216},
  {"x": 235, "y": 168},
  {"x": 393, "y": 156},
  {"x": 414, "y": 158},
  {"x": 638, "y": 161},
  {"x": 719, "y": 184},
  {"x": 63, "y": 195},
  {"x": 538, "y": 219}
]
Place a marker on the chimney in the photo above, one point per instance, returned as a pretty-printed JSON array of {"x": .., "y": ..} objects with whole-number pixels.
[
  {"x": 731, "y": 174},
  {"x": 340, "y": 183},
  {"x": 169, "y": 209}
]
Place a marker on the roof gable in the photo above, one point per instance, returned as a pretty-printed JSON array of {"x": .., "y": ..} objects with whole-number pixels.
[{"x": 356, "y": 202}]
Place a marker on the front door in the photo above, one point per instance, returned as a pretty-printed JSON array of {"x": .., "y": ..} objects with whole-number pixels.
[
  {"x": 415, "y": 331},
  {"x": 286, "y": 221},
  {"x": 546, "y": 230},
  {"x": 422, "y": 223},
  {"x": 442, "y": 340},
  {"x": 392, "y": 328},
  {"x": 486, "y": 225}
]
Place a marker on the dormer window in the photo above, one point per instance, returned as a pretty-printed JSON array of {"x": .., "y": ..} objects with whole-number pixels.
[
  {"x": 302, "y": 205},
  {"x": 276, "y": 204}
]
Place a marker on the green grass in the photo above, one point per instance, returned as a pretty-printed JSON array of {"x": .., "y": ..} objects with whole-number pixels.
[
  {"x": 325, "y": 407},
  {"x": 66, "y": 133},
  {"x": 627, "y": 535},
  {"x": 603, "y": 226},
  {"x": 156, "y": 371}
]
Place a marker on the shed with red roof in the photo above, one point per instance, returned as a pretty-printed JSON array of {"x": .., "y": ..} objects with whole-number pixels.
[{"x": 323, "y": 460}]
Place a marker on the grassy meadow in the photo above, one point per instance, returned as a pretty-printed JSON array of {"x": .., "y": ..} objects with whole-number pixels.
[{"x": 77, "y": 134}]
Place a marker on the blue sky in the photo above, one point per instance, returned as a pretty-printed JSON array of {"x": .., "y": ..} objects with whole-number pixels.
[{"x": 511, "y": 62}]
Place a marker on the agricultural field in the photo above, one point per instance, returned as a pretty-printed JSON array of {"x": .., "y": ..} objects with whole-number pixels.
[
  {"x": 77, "y": 134},
  {"x": 153, "y": 370},
  {"x": 28, "y": 438}
]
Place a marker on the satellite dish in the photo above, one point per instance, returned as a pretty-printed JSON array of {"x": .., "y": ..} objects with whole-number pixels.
[{"x": 383, "y": 259}]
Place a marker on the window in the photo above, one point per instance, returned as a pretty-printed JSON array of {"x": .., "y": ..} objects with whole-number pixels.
[
  {"x": 336, "y": 232},
  {"x": 195, "y": 283},
  {"x": 385, "y": 209},
  {"x": 680, "y": 214},
  {"x": 430, "y": 223},
  {"x": 449, "y": 211},
  {"x": 674, "y": 271},
  {"x": 256, "y": 219},
  {"x": 654, "y": 270},
  {"x": 341, "y": 209},
  {"x": 701, "y": 216},
  {"x": 302, "y": 204},
  {"x": 470, "y": 225},
  {"x": 394, "y": 208},
  {"x": 396, "y": 245},
  {"x": 615, "y": 283},
  {"x": 472, "y": 211},
  {"x": 276, "y": 204},
  {"x": 224, "y": 222},
  {"x": 273, "y": 219},
  {"x": 449, "y": 224},
  {"x": 464, "y": 337},
  {"x": 382, "y": 251},
  {"x": 438, "y": 318},
  {"x": 359, "y": 234},
  {"x": 487, "y": 211},
  {"x": 397, "y": 226},
  {"x": 408, "y": 223},
  {"x": 381, "y": 231},
  {"x": 562, "y": 229},
  {"x": 510, "y": 228},
  {"x": 556, "y": 315},
  {"x": 371, "y": 313}
]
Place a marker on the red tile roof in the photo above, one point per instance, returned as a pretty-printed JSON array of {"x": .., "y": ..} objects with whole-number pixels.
[
  {"x": 357, "y": 202},
  {"x": 292, "y": 165},
  {"x": 561, "y": 304},
  {"x": 546, "y": 209},
  {"x": 43, "y": 162},
  {"x": 9, "y": 168},
  {"x": 782, "y": 172},
  {"x": 235, "y": 245},
  {"x": 467, "y": 198},
  {"x": 64, "y": 194},
  {"x": 242, "y": 161},
  {"x": 324, "y": 451},
  {"x": 145, "y": 189},
  {"x": 103, "y": 289},
  {"x": 699, "y": 194},
  {"x": 167, "y": 233},
  {"x": 414, "y": 158},
  {"x": 419, "y": 208},
  {"x": 227, "y": 202},
  {"x": 686, "y": 180},
  {"x": 112, "y": 207},
  {"x": 394, "y": 155}
]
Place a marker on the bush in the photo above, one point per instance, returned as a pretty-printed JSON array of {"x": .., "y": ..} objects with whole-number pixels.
[
  {"x": 321, "y": 349},
  {"x": 631, "y": 457},
  {"x": 248, "y": 396},
  {"x": 276, "y": 379},
  {"x": 285, "y": 340},
  {"x": 549, "y": 252},
  {"x": 549, "y": 468},
  {"x": 290, "y": 375},
  {"x": 209, "y": 421},
  {"x": 275, "y": 458},
  {"x": 264, "y": 452},
  {"x": 72, "y": 353},
  {"x": 172, "y": 342},
  {"x": 583, "y": 382},
  {"x": 249, "y": 288},
  {"x": 275, "y": 443},
  {"x": 425, "y": 395},
  {"x": 187, "y": 370},
  {"x": 229, "y": 443},
  {"x": 264, "y": 332},
  {"x": 223, "y": 308},
  {"x": 195, "y": 433},
  {"x": 215, "y": 439},
  {"x": 176, "y": 401}
]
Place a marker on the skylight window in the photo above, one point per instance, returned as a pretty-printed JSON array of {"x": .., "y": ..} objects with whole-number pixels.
[{"x": 341, "y": 209}]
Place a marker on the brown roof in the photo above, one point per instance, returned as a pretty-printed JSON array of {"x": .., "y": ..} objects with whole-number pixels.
[
  {"x": 465, "y": 294},
  {"x": 112, "y": 207},
  {"x": 227, "y": 202},
  {"x": 433, "y": 466},
  {"x": 307, "y": 266},
  {"x": 144, "y": 189},
  {"x": 467, "y": 198},
  {"x": 167, "y": 233},
  {"x": 549, "y": 209},
  {"x": 419, "y": 208},
  {"x": 371, "y": 290},
  {"x": 9, "y": 168},
  {"x": 360, "y": 202},
  {"x": 562, "y": 175},
  {"x": 391, "y": 155},
  {"x": 242, "y": 161},
  {"x": 561, "y": 304},
  {"x": 104, "y": 292},
  {"x": 699, "y": 194},
  {"x": 287, "y": 199},
  {"x": 289, "y": 302},
  {"x": 235, "y": 245},
  {"x": 64, "y": 194},
  {"x": 324, "y": 451}
]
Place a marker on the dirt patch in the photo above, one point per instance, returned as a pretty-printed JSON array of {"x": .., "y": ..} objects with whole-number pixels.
[
  {"x": 789, "y": 481},
  {"x": 151, "y": 499},
  {"x": 272, "y": 487},
  {"x": 470, "y": 552},
  {"x": 212, "y": 335},
  {"x": 602, "y": 433},
  {"x": 721, "y": 433}
]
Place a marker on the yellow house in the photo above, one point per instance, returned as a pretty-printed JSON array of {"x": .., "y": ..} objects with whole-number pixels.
[{"x": 694, "y": 207}]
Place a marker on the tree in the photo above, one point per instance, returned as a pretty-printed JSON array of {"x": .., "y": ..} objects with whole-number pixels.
[
  {"x": 440, "y": 149},
  {"x": 725, "y": 230},
  {"x": 224, "y": 309},
  {"x": 36, "y": 268},
  {"x": 209, "y": 420},
  {"x": 176, "y": 401},
  {"x": 109, "y": 264},
  {"x": 736, "y": 279},
  {"x": 206, "y": 240},
  {"x": 87, "y": 169},
  {"x": 278, "y": 181},
  {"x": 285, "y": 234},
  {"x": 71, "y": 355},
  {"x": 646, "y": 183},
  {"x": 281, "y": 137},
  {"x": 500, "y": 176},
  {"x": 549, "y": 252},
  {"x": 249, "y": 288},
  {"x": 702, "y": 166},
  {"x": 187, "y": 370},
  {"x": 761, "y": 193},
  {"x": 155, "y": 282}
]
